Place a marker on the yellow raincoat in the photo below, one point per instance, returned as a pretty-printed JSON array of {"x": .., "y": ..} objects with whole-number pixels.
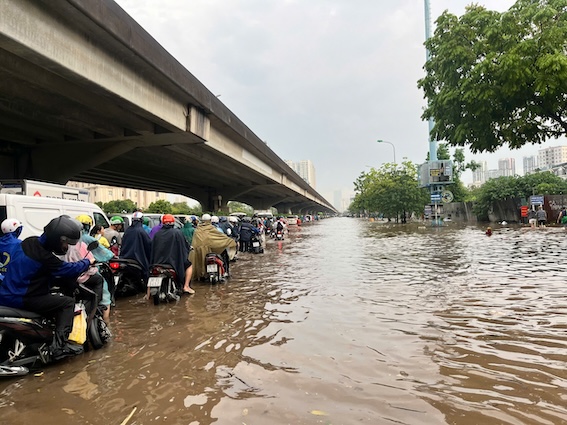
[{"x": 208, "y": 239}]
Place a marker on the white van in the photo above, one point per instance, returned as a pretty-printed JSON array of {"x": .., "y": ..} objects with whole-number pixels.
[{"x": 36, "y": 211}]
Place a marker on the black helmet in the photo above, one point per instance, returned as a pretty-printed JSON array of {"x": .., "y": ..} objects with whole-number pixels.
[
  {"x": 246, "y": 219},
  {"x": 60, "y": 232}
]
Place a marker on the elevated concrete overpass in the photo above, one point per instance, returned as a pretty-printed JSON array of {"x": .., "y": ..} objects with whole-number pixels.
[{"x": 87, "y": 94}]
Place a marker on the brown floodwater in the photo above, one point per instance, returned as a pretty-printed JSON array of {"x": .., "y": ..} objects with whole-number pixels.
[{"x": 344, "y": 322}]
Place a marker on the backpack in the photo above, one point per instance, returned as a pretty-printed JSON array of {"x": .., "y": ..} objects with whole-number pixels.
[{"x": 279, "y": 226}]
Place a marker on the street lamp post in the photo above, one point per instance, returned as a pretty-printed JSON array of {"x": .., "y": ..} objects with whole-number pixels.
[{"x": 390, "y": 143}]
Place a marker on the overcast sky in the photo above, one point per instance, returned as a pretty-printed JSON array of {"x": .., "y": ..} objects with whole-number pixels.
[{"x": 315, "y": 79}]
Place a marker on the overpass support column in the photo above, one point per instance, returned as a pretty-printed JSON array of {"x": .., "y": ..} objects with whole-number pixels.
[{"x": 211, "y": 201}]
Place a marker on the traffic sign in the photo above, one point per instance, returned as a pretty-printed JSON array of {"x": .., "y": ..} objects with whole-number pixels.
[
  {"x": 447, "y": 196},
  {"x": 435, "y": 197}
]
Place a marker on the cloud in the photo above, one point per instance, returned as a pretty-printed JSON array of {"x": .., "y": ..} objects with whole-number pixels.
[{"x": 317, "y": 79}]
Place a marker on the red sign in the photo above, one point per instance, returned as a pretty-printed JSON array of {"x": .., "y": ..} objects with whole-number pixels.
[{"x": 524, "y": 211}]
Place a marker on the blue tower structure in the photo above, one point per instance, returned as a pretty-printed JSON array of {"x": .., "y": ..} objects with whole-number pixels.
[{"x": 435, "y": 174}]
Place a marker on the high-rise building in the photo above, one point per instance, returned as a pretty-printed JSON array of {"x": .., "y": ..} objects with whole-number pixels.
[
  {"x": 492, "y": 174},
  {"x": 548, "y": 157},
  {"x": 305, "y": 169},
  {"x": 530, "y": 164},
  {"x": 506, "y": 167},
  {"x": 479, "y": 175}
]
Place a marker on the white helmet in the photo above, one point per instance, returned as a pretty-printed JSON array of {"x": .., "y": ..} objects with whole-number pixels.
[
  {"x": 137, "y": 215},
  {"x": 11, "y": 225},
  {"x": 214, "y": 219},
  {"x": 206, "y": 217},
  {"x": 232, "y": 219}
]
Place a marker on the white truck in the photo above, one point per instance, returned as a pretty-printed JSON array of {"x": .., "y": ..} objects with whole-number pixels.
[
  {"x": 43, "y": 189},
  {"x": 36, "y": 203}
]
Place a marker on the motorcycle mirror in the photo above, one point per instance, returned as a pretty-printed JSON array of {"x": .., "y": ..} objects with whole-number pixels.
[{"x": 92, "y": 246}]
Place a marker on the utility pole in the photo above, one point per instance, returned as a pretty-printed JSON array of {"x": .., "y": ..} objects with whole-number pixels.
[{"x": 435, "y": 174}]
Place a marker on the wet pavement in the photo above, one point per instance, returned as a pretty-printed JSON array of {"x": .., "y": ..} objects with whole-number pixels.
[{"x": 343, "y": 322}]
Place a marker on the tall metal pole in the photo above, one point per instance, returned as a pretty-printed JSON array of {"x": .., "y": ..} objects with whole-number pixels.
[
  {"x": 390, "y": 143},
  {"x": 432, "y": 143}
]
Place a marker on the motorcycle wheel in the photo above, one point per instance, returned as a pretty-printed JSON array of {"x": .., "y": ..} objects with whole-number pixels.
[
  {"x": 95, "y": 333},
  {"x": 7, "y": 371}
]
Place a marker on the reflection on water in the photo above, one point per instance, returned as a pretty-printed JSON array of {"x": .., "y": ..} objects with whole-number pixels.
[{"x": 343, "y": 322}]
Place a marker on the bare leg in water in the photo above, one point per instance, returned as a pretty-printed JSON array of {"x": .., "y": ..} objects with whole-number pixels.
[{"x": 187, "y": 284}]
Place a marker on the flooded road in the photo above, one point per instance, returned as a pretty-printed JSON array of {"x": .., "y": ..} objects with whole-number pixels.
[{"x": 344, "y": 322}]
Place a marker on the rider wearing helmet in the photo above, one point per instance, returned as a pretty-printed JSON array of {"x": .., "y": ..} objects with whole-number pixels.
[
  {"x": 247, "y": 229},
  {"x": 91, "y": 278},
  {"x": 101, "y": 253},
  {"x": 194, "y": 221},
  {"x": 137, "y": 245},
  {"x": 156, "y": 228},
  {"x": 188, "y": 230},
  {"x": 86, "y": 221},
  {"x": 146, "y": 224},
  {"x": 169, "y": 246},
  {"x": 215, "y": 221},
  {"x": 234, "y": 227},
  {"x": 32, "y": 268},
  {"x": 112, "y": 233},
  {"x": 11, "y": 230},
  {"x": 207, "y": 239}
]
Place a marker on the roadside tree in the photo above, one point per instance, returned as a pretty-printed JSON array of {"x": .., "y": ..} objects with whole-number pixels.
[
  {"x": 497, "y": 79},
  {"x": 160, "y": 206},
  {"x": 502, "y": 188},
  {"x": 391, "y": 191},
  {"x": 119, "y": 206}
]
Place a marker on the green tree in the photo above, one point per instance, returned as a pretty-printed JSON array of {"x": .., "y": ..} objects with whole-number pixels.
[
  {"x": 391, "y": 191},
  {"x": 501, "y": 188},
  {"x": 498, "y": 78},
  {"x": 234, "y": 206},
  {"x": 160, "y": 206},
  {"x": 180, "y": 208},
  {"x": 118, "y": 206}
]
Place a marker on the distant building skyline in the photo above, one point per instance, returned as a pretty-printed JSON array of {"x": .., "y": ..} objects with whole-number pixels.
[
  {"x": 529, "y": 164},
  {"x": 506, "y": 167},
  {"x": 479, "y": 175},
  {"x": 305, "y": 169},
  {"x": 548, "y": 157}
]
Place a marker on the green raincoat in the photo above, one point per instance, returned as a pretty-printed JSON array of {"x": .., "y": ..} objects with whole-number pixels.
[
  {"x": 207, "y": 238},
  {"x": 188, "y": 231}
]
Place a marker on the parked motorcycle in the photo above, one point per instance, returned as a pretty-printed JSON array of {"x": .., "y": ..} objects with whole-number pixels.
[
  {"x": 26, "y": 337},
  {"x": 161, "y": 283},
  {"x": 215, "y": 267},
  {"x": 127, "y": 278}
]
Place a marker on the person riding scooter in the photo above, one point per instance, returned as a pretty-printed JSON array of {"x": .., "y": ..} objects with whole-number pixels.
[
  {"x": 101, "y": 254},
  {"x": 112, "y": 234},
  {"x": 169, "y": 246},
  {"x": 137, "y": 245},
  {"x": 33, "y": 266},
  {"x": 11, "y": 230}
]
